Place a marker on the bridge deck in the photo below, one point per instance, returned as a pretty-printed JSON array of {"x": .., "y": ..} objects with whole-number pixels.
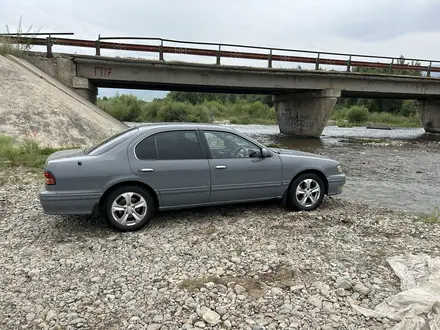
[{"x": 160, "y": 75}]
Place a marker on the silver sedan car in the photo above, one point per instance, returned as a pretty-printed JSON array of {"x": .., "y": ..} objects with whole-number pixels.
[{"x": 173, "y": 166}]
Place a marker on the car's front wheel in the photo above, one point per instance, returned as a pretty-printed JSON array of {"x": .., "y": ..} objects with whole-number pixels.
[
  {"x": 306, "y": 192},
  {"x": 129, "y": 208}
]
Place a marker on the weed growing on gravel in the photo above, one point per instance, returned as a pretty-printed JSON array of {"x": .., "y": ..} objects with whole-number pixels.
[
  {"x": 253, "y": 287},
  {"x": 433, "y": 217}
]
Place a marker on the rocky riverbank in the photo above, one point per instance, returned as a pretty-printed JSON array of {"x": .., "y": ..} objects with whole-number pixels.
[{"x": 240, "y": 267}]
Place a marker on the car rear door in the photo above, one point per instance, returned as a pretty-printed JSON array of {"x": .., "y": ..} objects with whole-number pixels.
[
  {"x": 174, "y": 164},
  {"x": 238, "y": 176}
]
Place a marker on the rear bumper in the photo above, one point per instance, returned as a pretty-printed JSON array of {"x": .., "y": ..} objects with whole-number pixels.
[
  {"x": 53, "y": 203},
  {"x": 335, "y": 183}
]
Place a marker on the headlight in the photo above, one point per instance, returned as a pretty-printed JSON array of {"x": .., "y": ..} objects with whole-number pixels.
[{"x": 339, "y": 168}]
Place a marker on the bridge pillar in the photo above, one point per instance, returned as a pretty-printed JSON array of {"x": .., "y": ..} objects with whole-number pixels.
[
  {"x": 429, "y": 112},
  {"x": 305, "y": 114}
]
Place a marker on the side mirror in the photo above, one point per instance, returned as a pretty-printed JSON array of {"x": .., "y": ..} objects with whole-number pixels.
[{"x": 265, "y": 153}]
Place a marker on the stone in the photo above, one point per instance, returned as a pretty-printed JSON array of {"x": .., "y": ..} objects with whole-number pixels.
[
  {"x": 258, "y": 327},
  {"x": 341, "y": 292},
  {"x": 33, "y": 273},
  {"x": 276, "y": 291},
  {"x": 157, "y": 318},
  {"x": 355, "y": 296},
  {"x": 221, "y": 310},
  {"x": 296, "y": 288},
  {"x": 127, "y": 295},
  {"x": 336, "y": 318},
  {"x": 30, "y": 316},
  {"x": 327, "y": 307},
  {"x": 286, "y": 309},
  {"x": 208, "y": 315},
  {"x": 344, "y": 283},
  {"x": 315, "y": 301},
  {"x": 50, "y": 315},
  {"x": 361, "y": 289},
  {"x": 239, "y": 289},
  {"x": 227, "y": 324},
  {"x": 154, "y": 326},
  {"x": 271, "y": 247}
]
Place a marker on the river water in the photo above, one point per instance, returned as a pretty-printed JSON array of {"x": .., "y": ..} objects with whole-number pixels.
[{"x": 397, "y": 169}]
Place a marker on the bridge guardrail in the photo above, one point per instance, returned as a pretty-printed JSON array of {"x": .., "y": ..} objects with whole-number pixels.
[{"x": 319, "y": 58}]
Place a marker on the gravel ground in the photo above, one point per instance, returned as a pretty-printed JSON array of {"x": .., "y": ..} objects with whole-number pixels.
[{"x": 239, "y": 267}]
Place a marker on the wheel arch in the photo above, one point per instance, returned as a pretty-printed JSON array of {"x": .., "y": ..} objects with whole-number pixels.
[
  {"x": 128, "y": 183},
  {"x": 314, "y": 171}
]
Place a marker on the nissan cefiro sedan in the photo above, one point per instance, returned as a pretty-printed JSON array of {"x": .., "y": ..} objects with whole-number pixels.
[{"x": 167, "y": 166}]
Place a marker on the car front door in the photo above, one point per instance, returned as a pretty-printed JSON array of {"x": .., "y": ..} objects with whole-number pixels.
[
  {"x": 238, "y": 172},
  {"x": 174, "y": 164}
]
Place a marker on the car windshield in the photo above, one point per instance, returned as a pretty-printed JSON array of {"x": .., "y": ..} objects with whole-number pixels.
[{"x": 110, "y": 142}]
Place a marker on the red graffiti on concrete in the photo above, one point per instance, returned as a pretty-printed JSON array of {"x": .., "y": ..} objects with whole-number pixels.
[{"x": 101, "y": 71}]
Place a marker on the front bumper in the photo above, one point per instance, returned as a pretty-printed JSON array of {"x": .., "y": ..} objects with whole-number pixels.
[
  {"x": 335, "y": 183},
  {"x": 53, "y": 203}
]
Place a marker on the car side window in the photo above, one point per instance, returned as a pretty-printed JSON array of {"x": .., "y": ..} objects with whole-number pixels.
[
  {"x": 228, "y": 145},
  {"x": 178, "y": 145},
  {"x": 146, "y": 149}
]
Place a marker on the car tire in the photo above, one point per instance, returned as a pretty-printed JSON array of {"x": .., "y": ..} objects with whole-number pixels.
[
  {"x": 129, "y": 208},
  {"x": 306, "y": 192}
]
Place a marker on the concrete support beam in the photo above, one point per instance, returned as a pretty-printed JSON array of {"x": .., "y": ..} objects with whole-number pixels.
[
  {"x": 305, "y": 114},
  {"x": 429, "y": 112},
  {"x": 84, "y": 88}
]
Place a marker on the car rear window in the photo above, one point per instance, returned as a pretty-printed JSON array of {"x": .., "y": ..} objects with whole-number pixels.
[
  {"x": 178, "y": 145},
  {"x": 110, "y": 142}
]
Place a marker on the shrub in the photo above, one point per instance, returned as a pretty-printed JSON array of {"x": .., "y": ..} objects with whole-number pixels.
[
  {"x": 408, "y": 108},
  {"x": 339, "y": 114},
  {"x": 182, "y": 112},
  {"x": 357, "y": 114}
]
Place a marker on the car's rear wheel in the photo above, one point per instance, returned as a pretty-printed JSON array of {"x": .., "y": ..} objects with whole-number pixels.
[
  {"x": 129, "y": 208},
  {"x": 306, "y": 192}
]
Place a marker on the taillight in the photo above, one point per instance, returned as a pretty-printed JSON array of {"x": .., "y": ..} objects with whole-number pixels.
[{"x": 49, "y": 178}]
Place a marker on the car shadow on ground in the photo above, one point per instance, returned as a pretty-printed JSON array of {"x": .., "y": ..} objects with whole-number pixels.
[{"x": 87, "y": 226}]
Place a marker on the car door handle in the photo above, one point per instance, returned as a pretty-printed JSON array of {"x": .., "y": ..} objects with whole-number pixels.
[
  {"x": 146, "y": 170},
  {"x": 220, "y": 167}
]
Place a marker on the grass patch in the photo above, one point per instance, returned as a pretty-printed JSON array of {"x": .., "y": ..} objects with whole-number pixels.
[
  {"x": 254, "y": 288},
  {"x": 281, "y": 276},
  {"x": 206, "y": 231},
  {"x": 433, "y": 217},
  {"x": 26, "y": 153},
  {"x": 395, "y": 120}
]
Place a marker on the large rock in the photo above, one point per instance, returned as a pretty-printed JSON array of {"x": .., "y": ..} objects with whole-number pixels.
[{"x": 208, "y": 315}]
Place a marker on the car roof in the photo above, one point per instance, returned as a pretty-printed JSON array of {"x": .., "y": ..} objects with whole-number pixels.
[{"x": 171, "y": 125}]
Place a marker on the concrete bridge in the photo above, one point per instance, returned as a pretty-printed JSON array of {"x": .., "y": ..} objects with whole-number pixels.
[{"x": 304, "y": 99}]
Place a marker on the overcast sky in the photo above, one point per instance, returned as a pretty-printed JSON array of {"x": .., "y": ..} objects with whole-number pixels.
[{"x": 378, "y": 27}]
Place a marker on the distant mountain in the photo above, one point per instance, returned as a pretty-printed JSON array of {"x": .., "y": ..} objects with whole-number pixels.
[{"x": 146, "y": 95}]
